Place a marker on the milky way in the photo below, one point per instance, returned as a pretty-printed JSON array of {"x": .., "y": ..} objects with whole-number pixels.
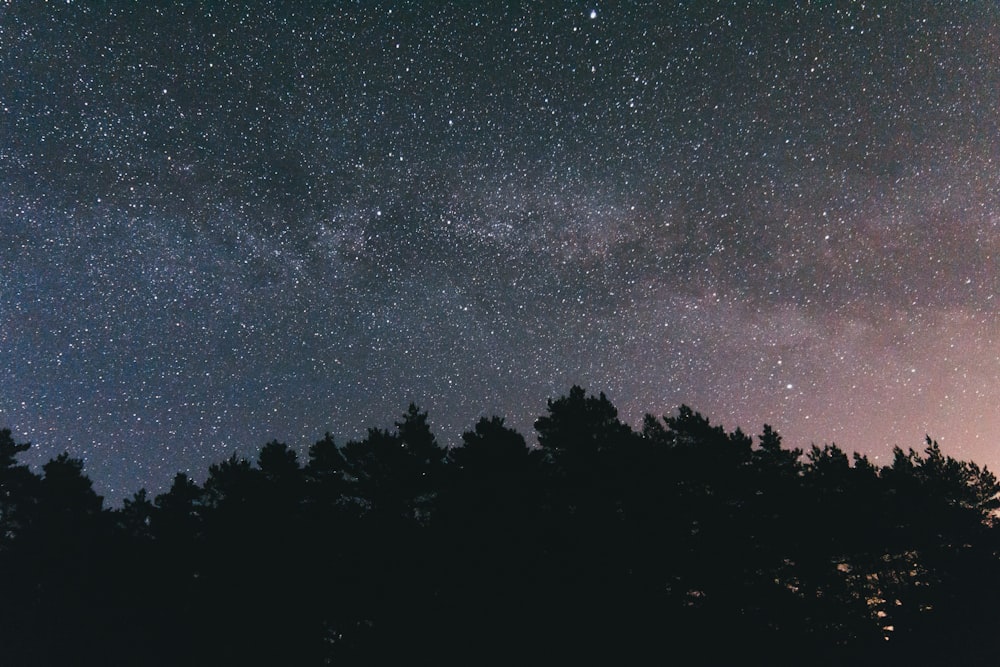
[{"x": 223, "y": 225}]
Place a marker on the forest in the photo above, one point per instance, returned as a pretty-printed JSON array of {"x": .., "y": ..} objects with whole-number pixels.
[{"x": 596, "y": 544}]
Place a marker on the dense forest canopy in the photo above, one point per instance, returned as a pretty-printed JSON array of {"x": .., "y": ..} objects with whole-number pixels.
[{"x": 602, "y": 543}]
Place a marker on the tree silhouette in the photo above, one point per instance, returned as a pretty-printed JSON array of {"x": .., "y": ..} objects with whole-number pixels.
[
  {"x": 18, "y": 489},
  {"x": 397, "y": 472},
  {"x": 278, "y": 462},
  {"x": 579, "y": 427},
  {"x": 136, "y": 515},
  {"x": 326, "y": 460},
  {"x": 66, "y": 491},
  {"x": 683, "y": 541}
]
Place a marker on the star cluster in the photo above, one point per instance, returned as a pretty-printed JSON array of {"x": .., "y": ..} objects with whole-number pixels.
[{"x": 227, "y": 224}]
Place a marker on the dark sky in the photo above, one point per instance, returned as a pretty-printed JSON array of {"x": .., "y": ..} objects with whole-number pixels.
[{"x": 224, "y": 223}]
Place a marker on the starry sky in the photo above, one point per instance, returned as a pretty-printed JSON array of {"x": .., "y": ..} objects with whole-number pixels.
[{"x": 226, "y": 223}]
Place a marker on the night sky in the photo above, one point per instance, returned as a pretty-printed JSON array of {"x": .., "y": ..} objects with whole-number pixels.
[{"x": 226, "y": 223}]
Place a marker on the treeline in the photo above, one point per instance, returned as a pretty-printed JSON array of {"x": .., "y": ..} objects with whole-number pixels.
[{"x": 679, "y": 542}]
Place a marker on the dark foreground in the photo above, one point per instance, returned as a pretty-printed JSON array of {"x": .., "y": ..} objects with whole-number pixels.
[{"x": 679, "y": 543}]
